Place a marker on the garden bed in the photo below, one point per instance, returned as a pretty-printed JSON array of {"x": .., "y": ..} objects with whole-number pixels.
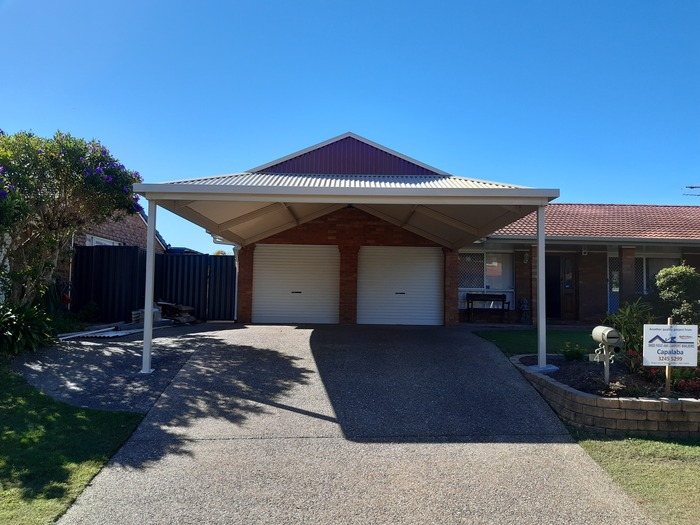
[
  {"x": 587, "y": 376},
  {"x": 612, "y": 414}
]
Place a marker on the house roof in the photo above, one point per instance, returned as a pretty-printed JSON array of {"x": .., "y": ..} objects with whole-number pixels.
[
  {"x": 247, "y": 207},
  {"x": 159, "y": 237},
  {"x": 609, "y": 222}
]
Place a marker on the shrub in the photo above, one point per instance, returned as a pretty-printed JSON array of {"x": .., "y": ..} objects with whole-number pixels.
[
  {"x": 574, "y": 353},
  {"x": 629, "y": 320},
  {"x": 678, "y": 289},
  {"x": 23, "y": 328},
  {"x": 686, "y": 379}
]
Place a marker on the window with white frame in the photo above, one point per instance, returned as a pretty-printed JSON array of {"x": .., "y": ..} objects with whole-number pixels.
[
  {"x": 486, "y": 273},
  {"x": 93, "y": 240}
]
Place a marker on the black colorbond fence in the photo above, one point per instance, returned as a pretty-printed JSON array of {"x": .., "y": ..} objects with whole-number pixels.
[{"x": 113, "y": 277}]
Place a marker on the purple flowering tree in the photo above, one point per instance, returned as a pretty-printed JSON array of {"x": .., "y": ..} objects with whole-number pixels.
[{"x": 51, "y": 188}]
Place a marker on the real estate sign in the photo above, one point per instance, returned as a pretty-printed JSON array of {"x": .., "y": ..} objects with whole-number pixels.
[{"x": 670, "y": 345}]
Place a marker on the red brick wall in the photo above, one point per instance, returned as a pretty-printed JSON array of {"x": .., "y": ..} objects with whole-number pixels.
[
  {"x": 348, "y": 283},
  {"x": 523, "y": 282},
  {"x": 451, "y": 287},
  {"x": 593, "y": 286},
  {"x": 349, "y": 229},
  {"x": 533, "y": 284},
  {"x": 130, "y": 231},
  {"x": 245, "y": 284}
]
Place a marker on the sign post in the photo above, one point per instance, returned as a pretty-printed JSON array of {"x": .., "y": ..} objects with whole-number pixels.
[{"x": 670, "y": 345}]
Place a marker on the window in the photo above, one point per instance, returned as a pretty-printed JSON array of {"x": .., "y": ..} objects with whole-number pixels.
[
  {"x": 645, "y": 270},
  {"x": 654, "y": 265},
  {"x": 93, "y": 240},
  {"x": 485, "y": 272},
  {"x": 471, "y": 270}
]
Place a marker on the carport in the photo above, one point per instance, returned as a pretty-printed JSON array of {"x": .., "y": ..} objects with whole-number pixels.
[{"x": 346, "y": 172}]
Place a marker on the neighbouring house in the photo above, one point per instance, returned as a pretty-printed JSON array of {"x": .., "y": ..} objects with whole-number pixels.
[
  {"x": 127, "y": 234},
  {"x": 131, "y": 230},
  {"x": 597, "y": 257}
]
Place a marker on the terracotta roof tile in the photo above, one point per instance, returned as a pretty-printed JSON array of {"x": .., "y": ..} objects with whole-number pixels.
[{"x": 611, "y": 221}]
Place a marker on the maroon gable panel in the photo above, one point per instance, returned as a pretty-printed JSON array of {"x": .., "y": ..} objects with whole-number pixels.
[{"x": 349, "y": 156}]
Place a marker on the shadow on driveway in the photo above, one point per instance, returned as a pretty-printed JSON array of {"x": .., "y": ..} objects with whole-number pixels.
[
  {"x": 363, "y": 383},
  {"x": 427, "y": 384}
]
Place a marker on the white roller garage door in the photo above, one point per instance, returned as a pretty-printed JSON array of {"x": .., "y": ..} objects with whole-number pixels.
[
  {"x": 400, "y": 285},
  {"x": 296, "y": 284}
]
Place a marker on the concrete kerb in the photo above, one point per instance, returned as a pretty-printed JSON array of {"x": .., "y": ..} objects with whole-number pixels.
[{"x": 644, "y": 417}]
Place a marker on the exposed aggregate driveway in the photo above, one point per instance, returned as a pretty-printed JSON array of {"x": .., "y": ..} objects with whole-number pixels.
[{"x": 328, "y": 425}]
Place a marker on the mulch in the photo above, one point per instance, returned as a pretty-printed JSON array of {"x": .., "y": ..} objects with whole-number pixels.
[{"x": 587, "y": 376}]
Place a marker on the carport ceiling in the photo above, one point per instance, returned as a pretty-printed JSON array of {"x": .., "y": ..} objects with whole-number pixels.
[
  {"x": 246, "y": 214},
  {"x": 247, "y": 207}
]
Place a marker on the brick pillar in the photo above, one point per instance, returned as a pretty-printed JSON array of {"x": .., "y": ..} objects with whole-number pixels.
[
  {"x": 245, "y": 284},
  {"x": 626, "y": 254},
  {"x": 451, "y": 292},
  {"x": 533, "y": 285},
  {"x": 348, "y": 283},
  {"x": 523, "y": 282}
]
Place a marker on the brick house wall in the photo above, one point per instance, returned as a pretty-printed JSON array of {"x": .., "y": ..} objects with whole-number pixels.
[
  {"x": 349, "y": 229},
  {"x": 523, "y": 283},
  {"x": 131, "y": 230},
  {"x": 593, "y": 286},
  {"x": 128, "y": 231}
]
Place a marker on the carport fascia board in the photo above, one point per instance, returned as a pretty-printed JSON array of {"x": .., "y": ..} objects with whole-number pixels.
[{"x": 457, "y": 196}]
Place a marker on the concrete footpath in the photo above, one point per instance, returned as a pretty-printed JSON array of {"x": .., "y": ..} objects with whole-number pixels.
[{"x": 329, "y": 425}]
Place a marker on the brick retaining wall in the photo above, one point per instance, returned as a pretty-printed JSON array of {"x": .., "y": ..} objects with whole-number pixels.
[{"x": 633, "y": 416}]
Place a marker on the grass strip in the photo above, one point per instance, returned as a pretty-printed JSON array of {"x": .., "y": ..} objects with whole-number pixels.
[
  {"x": 49, "y": 450},
  {"x": 515, "y": 342},
  {"x": 662, "y": 475}
]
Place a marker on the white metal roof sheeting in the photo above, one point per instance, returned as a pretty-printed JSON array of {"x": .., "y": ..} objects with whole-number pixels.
[{"x": 294, "y": 180}]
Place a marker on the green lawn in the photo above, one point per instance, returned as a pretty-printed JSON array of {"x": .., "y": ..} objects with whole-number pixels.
[
  {"x": 514, "y": 342},
  {"x": 49, "y": 451},
  {"x": 662, "y": 475}
]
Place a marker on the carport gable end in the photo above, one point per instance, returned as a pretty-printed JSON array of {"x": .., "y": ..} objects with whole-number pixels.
[
  {"x": 253, "y": 206},
  {"x": 248, "y": 207}
]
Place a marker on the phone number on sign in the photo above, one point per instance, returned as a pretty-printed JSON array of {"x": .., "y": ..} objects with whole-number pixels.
[{"x": 669, "y": 358}]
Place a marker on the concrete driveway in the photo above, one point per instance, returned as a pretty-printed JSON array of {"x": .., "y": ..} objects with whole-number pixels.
[{"x": 333, "y": 425}]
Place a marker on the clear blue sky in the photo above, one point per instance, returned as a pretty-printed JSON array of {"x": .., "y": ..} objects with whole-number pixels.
[{"x": 599, "y": 98}]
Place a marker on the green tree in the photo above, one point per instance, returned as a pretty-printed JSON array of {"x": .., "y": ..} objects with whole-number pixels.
[
  {"x": 679, "y": 291},
  {"x": 50, "y": 189}
]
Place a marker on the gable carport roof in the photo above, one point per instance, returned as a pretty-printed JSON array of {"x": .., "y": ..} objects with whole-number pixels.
[
  {"x": 248, "y": 207},
  {"x": 348, "y": 170},
  {"x": 244, "y": 208}
]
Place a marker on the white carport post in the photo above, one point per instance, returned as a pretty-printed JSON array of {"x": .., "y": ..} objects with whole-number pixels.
[
  {"x": 541, "y": 294},
  {"x": 150, "y": 271}
]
